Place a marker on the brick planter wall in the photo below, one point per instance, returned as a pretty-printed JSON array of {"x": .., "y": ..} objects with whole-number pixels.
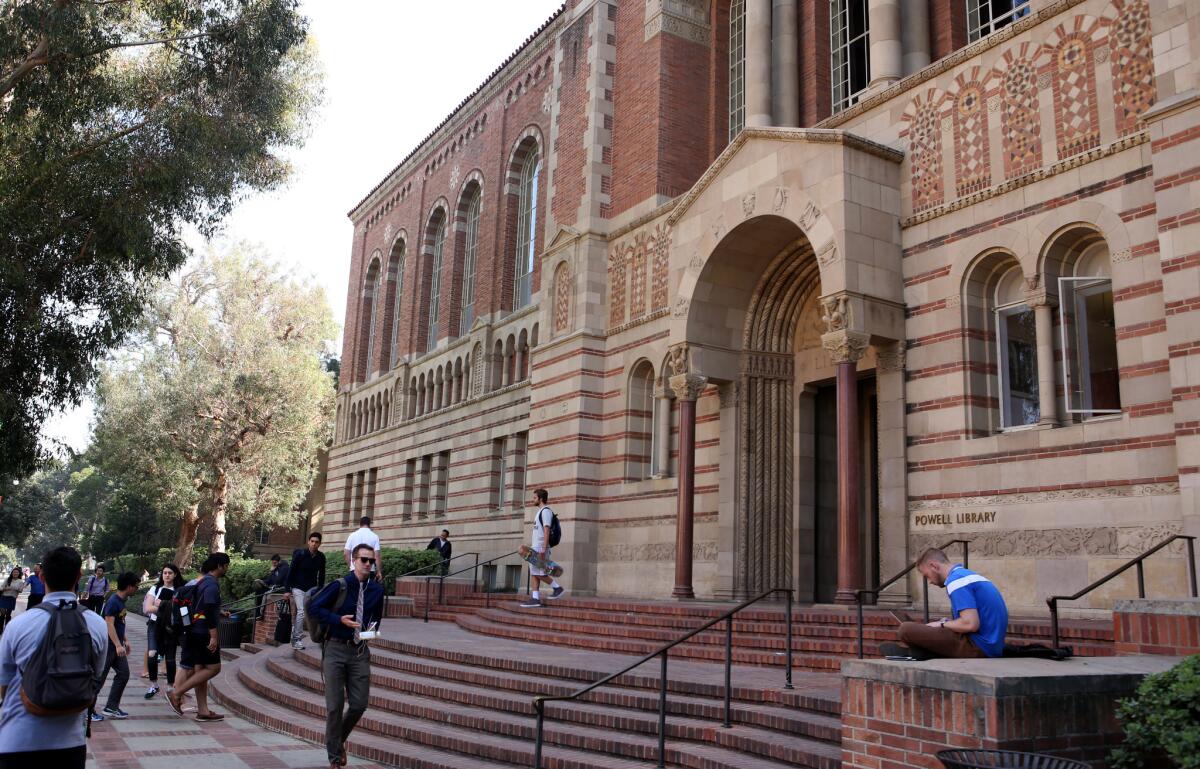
[
  {"x": 897, "y": 715},
  {"x": 264, "y": 629},
  {"x": 1157, "y": 627}
]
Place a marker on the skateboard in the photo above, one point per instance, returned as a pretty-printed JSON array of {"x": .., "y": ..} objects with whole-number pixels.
[{"x": 551, "y": 568}]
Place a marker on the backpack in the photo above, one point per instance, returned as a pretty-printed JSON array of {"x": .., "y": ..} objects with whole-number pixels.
[
  {"x": 555, "y": 535},
  {"x": 317, "y": 631},
  {"x": 178, "y": 613},
  {"x": 283, "y": 627},
  {"x": 60, "y": 677}
]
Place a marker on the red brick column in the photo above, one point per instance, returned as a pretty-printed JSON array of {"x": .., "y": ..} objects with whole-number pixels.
[{"x": 687, "y": 388}]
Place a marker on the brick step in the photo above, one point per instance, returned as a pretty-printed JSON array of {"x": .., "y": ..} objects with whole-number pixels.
[
  {"x": 228, "y": 690},
  {"x": 509, "y": 738},
  {"x": 626, "y": 645},
  {"x": 514, "y": 693},
  {"x": 690, "y": 683}
]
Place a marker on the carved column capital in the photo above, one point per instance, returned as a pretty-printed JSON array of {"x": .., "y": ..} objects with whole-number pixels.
[
  {"x": 844, "y": 346},
  {"x": 679, "y": 360},
  {"x": 890, "y": 358},
  {"x": 688, "y": 387}
]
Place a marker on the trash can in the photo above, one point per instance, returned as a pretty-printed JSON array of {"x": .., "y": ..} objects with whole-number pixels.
[
  {"x": 1004, "y": 759},
  {"x": 229, "y": 631}
]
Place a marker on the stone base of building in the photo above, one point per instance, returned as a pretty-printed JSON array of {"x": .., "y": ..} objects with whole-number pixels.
[
  {"x": 899, "y": 714},
  {"x": 1144, "y": 626}
]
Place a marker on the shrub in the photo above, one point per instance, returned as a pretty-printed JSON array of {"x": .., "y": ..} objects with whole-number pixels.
[
  {"x": 395, "y": 562},
  {"x": 239, "y": 580},
  {"x": 1162, "y": 721}
]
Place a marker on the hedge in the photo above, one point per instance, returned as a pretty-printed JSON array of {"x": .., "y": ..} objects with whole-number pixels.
[{"x": 395, "y": 562}]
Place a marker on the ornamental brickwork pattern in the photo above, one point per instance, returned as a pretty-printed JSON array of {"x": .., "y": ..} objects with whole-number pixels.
[
  {"x": 924, "y": 130},
  {"x": 972, "y": 156},
  {"x": 1021, "y": 121},
  {"x": 1133, "y": 64},
  {"x": 1073, "y": 74}
]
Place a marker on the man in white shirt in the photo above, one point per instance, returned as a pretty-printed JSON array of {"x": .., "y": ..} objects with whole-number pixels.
[
  {"x": 364, "y": 536},
  {"x": 541, "y": 551}
]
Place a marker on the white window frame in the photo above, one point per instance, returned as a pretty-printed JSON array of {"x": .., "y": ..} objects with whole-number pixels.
[
  {"x": 470, "y": 248},
  {"x": 526, "y": 230},
  {"x": 977, "y": 30},
  {"x": 435, "y": 284},
  {"x": 737, "y": 68},
  {"x": 500, "y": 482},
  {"x": 1080, "y": 291},
  {"x": 999, "y": 314},
  {"x": 398, "y": 294},
  {"x": 840, "y": 43},
  {"x": 375, "y": 285}
]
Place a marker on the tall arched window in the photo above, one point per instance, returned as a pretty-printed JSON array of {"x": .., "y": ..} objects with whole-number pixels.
[
  {"x": 438, "y": 231},
  {"x": 737, "y": 67},
  {"x": 470, "y": 241},
  {"x": 526, "y": 228},
  {"x": 1016, "y": 345},
  {"x": 639, "y": 424},
  {"x": 397, "y": 263},
  {"x": 370, "y": 307}
]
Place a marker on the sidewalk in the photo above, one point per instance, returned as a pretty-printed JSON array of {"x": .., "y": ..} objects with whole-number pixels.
[{"x": 153, "y": 737}]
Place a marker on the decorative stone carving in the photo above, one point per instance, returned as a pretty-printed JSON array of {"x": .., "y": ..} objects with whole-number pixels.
[
  {"x": 681, "y": 307},
  {"x": 845, "y": 346},
  {"x": 837, "y": 312},
  {"x": 387, "y": 234},
  {"x": 1101, "y": 54},
  {"x": 548, "y": 99},
  {"x": 654, "y": 551},
  {"x": 828, "y": 254},
  {"x": 1124, "y": 255},
  {"x": 749, "y": 202},
  {"x": 781, "y": 199},
  {"x": 697, "y": 262},
  {"x": 1124, "y": 541},
  {"x": 678, "y": 360},
  {"x": 809, "y": 217},
  {"x": 890, "y": 358},
  {"x": 728, "y": 395},
  {"x": 1044, "y": 80},
  {"x": 687, "y": 19},
  {"x": 718, "y": 228},
  {"x": 768, "y": 365},
  {"x": 687, "y": 387},
  {"x": 454, "y": 176},
  {"x": 954, "y": 301}
]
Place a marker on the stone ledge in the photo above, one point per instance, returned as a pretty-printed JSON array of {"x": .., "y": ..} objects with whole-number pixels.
[
  {"x": 1179, "y": 607},
  {"x": 1015, "y": 677}
]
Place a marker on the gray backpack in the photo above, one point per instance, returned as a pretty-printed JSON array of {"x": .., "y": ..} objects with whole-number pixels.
[
  {"x": 60, "y": 677},
  {"x": 318, "y": 631}
]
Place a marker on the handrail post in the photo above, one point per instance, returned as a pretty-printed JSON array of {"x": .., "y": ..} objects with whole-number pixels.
[
  {"x": 540, "y": 707},
  {"x": 1054, "y": 622},
  {"x": 475, "y": 574},
  {"x": 858, "y": 599},
  {"x": 1191, "y": 550},
  {"x": 925, "y": 587},
  {"x": 728, "y": 667},
  {"x": 788, "y": 680},
  {"x": 427, "y": 599},
  {"x": 1141, "y": 575},
  {"x": 966, "y": 543},
  {"x": 442, "y": 590},
  {"x": 662, "y": 714}
]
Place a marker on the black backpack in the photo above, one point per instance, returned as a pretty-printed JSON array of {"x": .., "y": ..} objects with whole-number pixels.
[
  {"x": 283, "y": 627},
  {"x": 317, "y": 631},
  {"x": 178, "y": 613},
  {"x": 60, "y": 677},
  {"x": 555, "y": 535}
]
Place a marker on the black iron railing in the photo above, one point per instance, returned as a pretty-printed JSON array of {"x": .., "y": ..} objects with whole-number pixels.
[
  {"x": 860, "y": 594},
  {"x": 417, "y": 571},
  {"x": 1141, "y": 579},
  {"x": 441, "y": 578},
  {"x": 539, "y": 703}
]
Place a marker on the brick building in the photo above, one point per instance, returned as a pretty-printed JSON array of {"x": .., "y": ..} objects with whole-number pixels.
[{"x": 779, "y": 292}]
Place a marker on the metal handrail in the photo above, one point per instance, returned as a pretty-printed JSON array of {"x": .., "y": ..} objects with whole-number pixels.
[
  {"x": 1141, "y": 578},
  {"x": 474, "y": 579},
  {"x": 860, "y": 594},
  {"x": 539, "y": 703},
  {"x": 443, "y": 562}
]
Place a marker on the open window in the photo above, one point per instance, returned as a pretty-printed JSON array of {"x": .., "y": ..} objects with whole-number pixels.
[
  {"x": 1016, "y": 346},
  {"x": 1089, "y": 334}
]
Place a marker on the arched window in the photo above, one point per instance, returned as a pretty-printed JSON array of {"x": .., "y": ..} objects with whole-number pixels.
[
  {"x": 737, "y": 67},
  {"x": 1016, "y": 345},
  {"x": 474, "y": 203},
  {"x": 437, "y": 242},
  {"x": 639, "y": 422},
  {"x": 370, "y": 305},
  {"x": 527, "y": 193},
  {"x": 396, "y": 278}
]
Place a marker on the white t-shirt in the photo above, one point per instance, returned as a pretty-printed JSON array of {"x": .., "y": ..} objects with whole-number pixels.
[
  {"x": 364, "y": 536},
  {"x": 541, "y": 523}
]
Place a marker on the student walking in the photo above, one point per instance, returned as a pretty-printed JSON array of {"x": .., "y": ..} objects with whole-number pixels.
[
  {"x": 307, "y": 571},
  {"x": 10, "y": 590},
  {"x": 119, "y": 649},
  {"x": 51, "y": 741},
  {"x": 542, "y": 525},
  {"x": 345, "y": 657},
  {"x": 95, "y": 590},
  {"x": 364, "y": 536},
  {"x": 37, "y": 588},
  {"x": 160, "y": 646},
  {"x": 201, "y": 655}
]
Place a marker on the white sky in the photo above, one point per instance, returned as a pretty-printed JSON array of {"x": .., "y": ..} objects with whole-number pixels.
[{"x": 394, "y": 69}]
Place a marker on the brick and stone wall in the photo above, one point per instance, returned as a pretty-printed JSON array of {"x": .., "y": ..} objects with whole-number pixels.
[{"x": 1170, "y": 627}]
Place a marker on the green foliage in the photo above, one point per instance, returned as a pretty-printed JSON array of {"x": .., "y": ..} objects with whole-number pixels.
[
  {"x": 395, "y": 562},
  {"x": 36, "y": 518},
  {"x": 122, "y": 520},
  {"x": 121, "y": 125},
  {"x": 1162, "y": 721},
  {"x": 239, "y": 580}
]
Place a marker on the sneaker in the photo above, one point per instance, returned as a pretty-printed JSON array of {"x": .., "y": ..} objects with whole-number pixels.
[
  {"x": 558, "y": 591},
  {"x": 533, "y": 605},
  {"x": 153, "y": 690},
  {"x": 298, "y": 645},
  {"x": 96, "y": 717},
  {"x": 116, "y": 713}
]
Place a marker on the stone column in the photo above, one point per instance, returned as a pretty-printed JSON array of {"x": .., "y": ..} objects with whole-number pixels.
[
  {"x": 758, "y": 63},
  {"x": 883, "y": 19},
  {"x": 785, "y": 72},
  {"x": 847, "y": 348},
  {"x": 1043, "y": 316},
  {"x": 915, "y": 37},
  {"x": 662, "y": 428},
  {"x": 687, "y": 389}
]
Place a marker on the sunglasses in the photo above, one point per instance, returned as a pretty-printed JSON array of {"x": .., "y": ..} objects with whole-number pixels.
[{"x": 369, "y": 561}]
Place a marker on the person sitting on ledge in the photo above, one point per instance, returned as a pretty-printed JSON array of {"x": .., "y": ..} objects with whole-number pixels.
[{"x": 980, "y": 616}]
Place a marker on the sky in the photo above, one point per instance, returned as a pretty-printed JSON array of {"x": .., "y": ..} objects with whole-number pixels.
[{"x": 394, "y": 69}]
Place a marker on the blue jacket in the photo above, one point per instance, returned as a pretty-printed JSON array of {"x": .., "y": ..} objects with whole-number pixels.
[{"x": 327, "y": 614}]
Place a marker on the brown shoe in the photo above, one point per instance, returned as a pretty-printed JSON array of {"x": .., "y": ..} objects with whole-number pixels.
[{"x": 176, "y": 703}]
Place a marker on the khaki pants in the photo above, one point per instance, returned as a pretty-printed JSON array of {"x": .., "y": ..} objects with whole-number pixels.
[{"x": 939, "y": 641}]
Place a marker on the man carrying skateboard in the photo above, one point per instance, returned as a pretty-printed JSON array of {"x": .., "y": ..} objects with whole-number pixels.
[{"x": 539, "y": 561}]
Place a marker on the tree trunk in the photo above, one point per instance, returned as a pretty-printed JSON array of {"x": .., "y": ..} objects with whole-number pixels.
[
  {"x": 220, "y": 503},
  {"x": 188, "y": 529}
]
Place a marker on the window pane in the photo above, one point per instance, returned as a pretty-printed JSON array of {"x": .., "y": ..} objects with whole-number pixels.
[
  {"x": 439, "y": 240},
  {"x": 1018, "y": 364},
  {"x": 1089, "y": 330},
  {"x": 396, "y": 309},
  {"x": 737, "y": 67},
  {"x": 849, "y": 51},
  {"x": 467, "y": 316},
  {"x": 986, "y": 16},
  {"x": 374, "y": 299},
  {"x": 526, "y": 230}
]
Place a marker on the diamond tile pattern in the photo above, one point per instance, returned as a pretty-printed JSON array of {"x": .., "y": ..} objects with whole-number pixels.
[
  {"x": 974, "y": 171},
  {"x": 1022, "y": 124},
  {"x": 1133, "y": 66},
  {"x": 1078, "y": 125}
]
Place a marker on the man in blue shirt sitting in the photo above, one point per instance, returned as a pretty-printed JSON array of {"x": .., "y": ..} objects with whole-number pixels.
[
  {"x": 979, "y": 622},
  {"x": 345, "y": 658}
]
